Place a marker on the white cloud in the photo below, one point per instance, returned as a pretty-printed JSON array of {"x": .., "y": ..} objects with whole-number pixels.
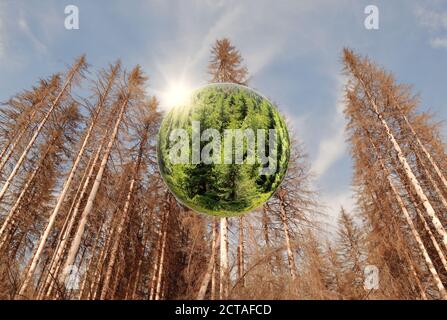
[
  {"x": 438, "y": 42},
  {"x": 334, "y": 200},
  {"x": 436, "y": 22},
  {"x": 24, "y": 27},
  {"x": 432, "y": 19},
  {"x": 330, "y": 150},
  {"x": 333, "y": 147}
]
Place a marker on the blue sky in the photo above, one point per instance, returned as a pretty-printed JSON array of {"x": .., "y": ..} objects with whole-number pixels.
[{"x": 291, "y": 48}]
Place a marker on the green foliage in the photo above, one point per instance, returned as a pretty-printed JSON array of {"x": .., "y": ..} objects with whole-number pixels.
[{"x": 224, "y": 189}]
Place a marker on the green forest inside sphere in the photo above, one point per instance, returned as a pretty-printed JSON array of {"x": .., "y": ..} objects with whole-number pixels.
[{"x": 228, "y": 123}]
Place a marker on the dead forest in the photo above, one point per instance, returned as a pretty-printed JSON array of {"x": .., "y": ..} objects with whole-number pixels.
[{"x": 84, "y": 213}]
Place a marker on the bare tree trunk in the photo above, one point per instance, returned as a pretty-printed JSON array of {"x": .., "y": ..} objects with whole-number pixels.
[
  {"x": 71, "y": 218},
  {"x": 427, "y": 154},
  {"x": 9, "y": 150},
  {"x": 419, "y": 242},
  {"x": 115, "y": 246},
  {"x": 9, "y": 220},
  {"x": 265, "y": 226},
  {"x": 157, "y": 259},
  {"x": 224, "y": 274},
  {"x": 94, "y": 290},
  {"x": 433, "y": 183},
  {"x": 100, "y": 105},
  {"x": 79, "y": 64},
  {"x": 89, "y": 206},
  {"x": 96, "y": 240},
  {"x": 158, "y": 288},
  {"x": 290, "y": 255},
  {"x": 241, "y": 251},
  {"x": 414, "y": 232},
  {"x": 430, "y": 234},
  {"x": 115, "y": 280},
  {"x": 139, "y": 265},
  {"x": 408, "y": 172},
  {"x": 433, "y": 239},
  {"x": 125, "y": 213},
  {"x": 417, "y": 187},
  {"x": 206, "y": 279},
  {"x": 416, "y": 278},
  {"x": 216, "y": 246},
  {"x": 211, "y": 266}
]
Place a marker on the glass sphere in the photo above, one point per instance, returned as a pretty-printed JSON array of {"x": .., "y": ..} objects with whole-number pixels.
[{"x": 224, "y": 150}]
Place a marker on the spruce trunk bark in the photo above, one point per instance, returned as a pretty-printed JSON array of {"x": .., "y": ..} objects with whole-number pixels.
[
  {"x": 407, "y": 169},
  {"x": 224, "y": 281},
  {"x": 241, "y": 251},
  {"x": 211, "y": 265},
  {"x": 124, "y": 215},
  {"x": 9, "y": 150},
  {"x": 43, "y": 238},
  {"x": 290, "y": 255},
  {"x": 92, "y": 196},
  {"x": 39, "y": 128}
]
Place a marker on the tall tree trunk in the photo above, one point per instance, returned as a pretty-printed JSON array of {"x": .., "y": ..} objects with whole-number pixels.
[
  {"x": 407, "y": 169},
  {"x": 153, "y": 282},
  {"x": 115, "y": 245},
  {"x": 413, "y": 229},
  {"x": 100, "y": 105},
  {"x": 75, "y": 69},
  {"x": 426, "y": 153},
  {"x": 427, "y": 227},
  {"x": 415, "y": 183},
  {"x": 410, "y": 223},
  {"x": 140, "y": 263},
  {"x": 96, "y": 279},
  {"x": 92, "y": 196},
  {"x": 158, "y": 287},
  {"x": 10, "y": 220},
  {"x": 68, "y": 224},
  {"x": 125, "y": 214},
  {"x": 9, "y": 150},
  {"x": 94, "y": 249},
  {"x": 214, "y": 272},
  {"x": 432, "y": 182},
  {"x": 224, "y": 274},
  {"x": 211, "y": 265},
  {"x": 290, "y": 255},
  {"x": 265, "y": 225},
  {"x": 416, "y": 278},
  {"x": 241, "y": 251},
  {"x": 428, "y": 261}
]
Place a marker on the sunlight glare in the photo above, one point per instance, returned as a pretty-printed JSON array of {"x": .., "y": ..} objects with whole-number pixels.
[{"x": 175, "y": 94}]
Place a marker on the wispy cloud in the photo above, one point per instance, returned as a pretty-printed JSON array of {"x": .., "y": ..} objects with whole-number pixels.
[
  {"x": 432, "y": 19},
  {"x": 333, "y": 147},
  {"x": 24, "y": 27},
  {"x": 436, "y": 22},
  {"x": 439, "y": 42},
  {"x": 333, "y": 201}
]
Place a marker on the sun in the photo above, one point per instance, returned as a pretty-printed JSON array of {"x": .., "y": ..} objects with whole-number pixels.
[{"x": 175, "y": 94}]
